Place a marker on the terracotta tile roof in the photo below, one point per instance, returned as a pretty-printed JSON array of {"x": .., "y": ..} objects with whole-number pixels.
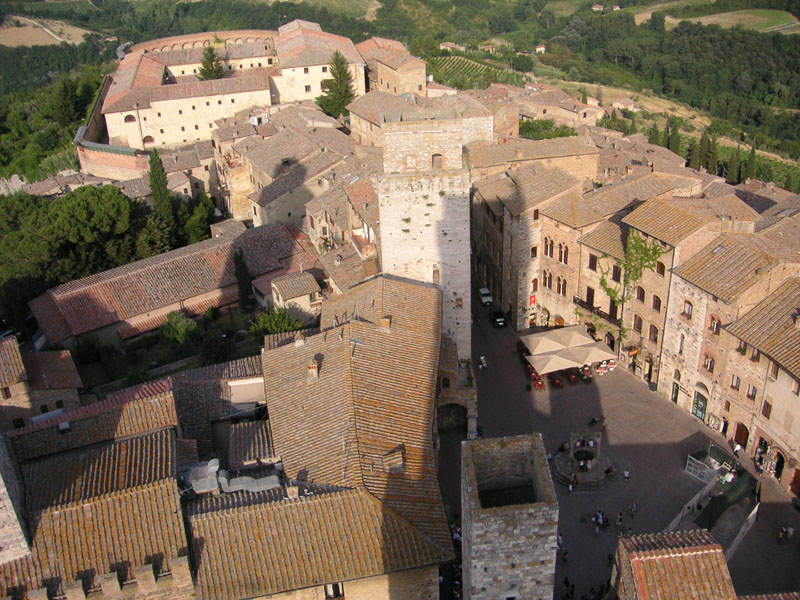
[
  {"x": 373, "y": 105},
  {"x": 310, "y": 168},
  {"x": 771, "y": 326},
  {"x": 249, "y": 443},
  {"x": 295, "y": 285},
  {"x": 146, "y": 285},
  {"x": 142, "y": 409},
  {"x": 364, "y": 198},
  {"x": 609, "y": 237},
  {"x": 663, "y": 220},
  {"x": 274, "y": 340},
  {"x": 369, "y": 375},
  {"x": 777, "y": 212},
  {"x": 132, "y": 527},
  {"x": 580, "y": 210},
  {"x": 529, "y": 187},
  {"x": 346, "y": 268},
  {"x": 277, "y": 154},
  {"x": 12, "y": 369},
  {"x": 783, "y": 596},
  {"x": 76, "y": 476},
  {"x": 375, "y": 46},
  {"x": 189, "y": 56},
  {"x": 689, "y": 565},
  {"x": 334, "y": 203},
  {"x": 51, "y": 370},
  {"x": 762, "y": 196},
  {"x": 488, "y": 154},
  {"x": 340, "y": 536},
  {"x": 729, "y": 266},
  {"x": 723, "y": 208},
  {"x": 303, "y": 44},
  {"x": 784, "y": 237}
]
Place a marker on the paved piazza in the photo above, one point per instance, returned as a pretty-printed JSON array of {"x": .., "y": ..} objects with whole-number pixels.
[{"x": 647, "y": 435}]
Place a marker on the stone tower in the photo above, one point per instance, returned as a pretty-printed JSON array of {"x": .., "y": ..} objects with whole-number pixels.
[
  {"x": 509, "y": 518},
  {"x": 423, "y": 196},
  {"x": 13, "y": 544}
]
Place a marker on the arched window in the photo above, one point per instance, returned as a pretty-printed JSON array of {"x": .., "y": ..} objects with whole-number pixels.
[
  {"x": 551, "y": 248},
  {"x": 564, "y": 287},
  {"x": 715, "y": 325},
  {"x": 534, "y": 285},
  {"x": 445, "y": 382},
  {"x": 660, "y": 268},
  {"x": 148, "y": 139},
  {"x": 637, "y": 323},
  {"x": 676, "y": 375},
  {"x": 545, "y": 246},
  {"x": 640, "y": 294},
  {"x": 656, "y": 303},
  {"x": 566, "y": 255},
  {"x": 130, "y": 119},
  {"x": 560, "y": 253},
  {"x": 436, "y": 161},
  {"x": 653, "y": 333},
  {"x": 688, "y": 309}
]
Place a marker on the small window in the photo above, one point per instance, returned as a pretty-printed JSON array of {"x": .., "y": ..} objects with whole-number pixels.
[
  {"x": 727, "y": 406},
  {"x": 208, "y": 103},
  {"x": 59, "y": 404},
  {"x": 593, "y": 262},
  {"x": 305, "y": 70},
  {"x": 130, "y": 118},
  {"x": 308, "y": 88},
  {"x": 436, "y": 276},
  {"x": 197, "y": 127},
  {"x": 755, "y": 356},
  {"x": 459, "y": 302},
  {"x": 715, "y": 325},
  {"x": 660, "y": 268},
  {"x": 219, "y": 101},
  {"x": 534, "y": 251},
  {"x": 676, "y": 375},
  {"x": 334, "y": 590},
  {"x": 773, "y": 370},
  {"x": 194, "y": 107},
  {"x": 6, "y": 392},
  {"x": 735, "y": 382},
  {"x": 324, "y": 69},
  {"x": 708, "y": 364},
  {"x": 766, "y": 410},
  {"x": 796, "y": 387},
  {"x": 159, "y": 114},
  {"x": 656, "y": 304},
  {"x": 640, "y": 294},
  {"x": 44, "y": 408},
  {"x": 180, "y": 112},
  {"x": 653, "y": 333},
  {"x": 183, "y": 128},
  {"x": 536, "y": 214},
  {"x": 18, "y": 423},
  {"x": 161, "y": 131},
  {"x": 688, "y": 309},
  {"x": 534, "y": 285},
  {"x": 637, "y": 323},
  {"x": 742, "y": 347},
  {"x": 616, "y": 273}
]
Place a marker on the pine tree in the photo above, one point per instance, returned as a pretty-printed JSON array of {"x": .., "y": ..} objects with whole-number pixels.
[
  {"x": 339, "y": 89},
  {"x": 750, "y": 167},
  {"x": 244, "y": 281},
  {"x": 705, "y": 150},
  {"x": 733, "y": 168},
  {"x": 65, "y": 101},
  {"x": 211, "y": 67},
  {"x": 162, "y": 198},
  {"x": 694, "y": 156},
  {"x": 153, "y": 239},
  {"x": 655, "y": 134}
]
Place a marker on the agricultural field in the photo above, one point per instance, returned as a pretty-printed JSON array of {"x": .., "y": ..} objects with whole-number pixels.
[
  {"x": 763, "y": 20},
  {"x": 451, "y": 67},
  {"x": 351, "y": 8},
  {"x": 465, "y": 73},
  {"x": 564, "y": 8},
  {"x": 22, "y": 31}
]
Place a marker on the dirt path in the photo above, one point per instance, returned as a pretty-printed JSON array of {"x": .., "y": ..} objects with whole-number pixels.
[{"x": 43, "y": 28}]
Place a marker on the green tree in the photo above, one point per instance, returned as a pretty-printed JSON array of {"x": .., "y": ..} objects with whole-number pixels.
[
  {"x": 162, "y": 198},
  {"x": 65, "y": 101},
  {"x": 655, "y": 134},
  {"x": 152, "y": 239},
  {"x": 705, "y": 150},
  {"x": 195, "y": 228},
  {"x": 694, "y": 156},
  {"x": 733, "y": 168},
  {"x": 712, "y": 166},
  {"x": 675, "y": 136},
  {"x": 522, "y": 62},
  {"x": 277, "y": 320},
  {"x": 244, "y": 281},
  {"x": 665, "y": 136},
  {"x": 750, "y": 166},
  {"x": 790, "y": 183},
  {"x": 179, "y": 328},
  {"x": 339, "y": 89},
  {"x": 211, "y": 67},
  {"x": 584, "y": 99}
]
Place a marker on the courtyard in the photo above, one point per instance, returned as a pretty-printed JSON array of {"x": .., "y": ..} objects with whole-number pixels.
[{"x": 646, "y": 435}]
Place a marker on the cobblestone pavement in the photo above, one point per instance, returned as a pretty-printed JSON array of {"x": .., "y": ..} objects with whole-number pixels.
[{"x": 647, "y": 435}]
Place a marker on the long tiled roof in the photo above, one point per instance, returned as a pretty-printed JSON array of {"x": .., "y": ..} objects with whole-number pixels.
[
  {"x": 609, "y": 237},
  {"x": 302, "y": 543},
  {"x": 78, "y": 475},
  {"x": 372, "y": 105},
  {"x": 527, "y": 188},
  {"x": 303, "y": 44},
  {"x": 579, "y": 210},
  {"x": 146, "y": 285},
  {"x": 728, "y": 266},
  {"x": 375, "y": 393},
  {"x": 12, "y": 370},
  {"x": 722, "y": 207},
  {"x": 664, "y": 221},
  {"x": 143, "y": 409},
  {"x": 249, "y": 443},
  {"x": 771, "y": 326},
  {"x": 295, "y": 285},
  {"x": 188, "y": 56},
  {"x": 689, "y": 565},
  {"x": 51, "y": 370},
  {"x": 488, "y": 154}
]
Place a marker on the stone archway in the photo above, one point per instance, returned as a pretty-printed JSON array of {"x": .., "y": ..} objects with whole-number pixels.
[
  {"x": 558, "y": 321},
  {"x": 452, "y": 416}
]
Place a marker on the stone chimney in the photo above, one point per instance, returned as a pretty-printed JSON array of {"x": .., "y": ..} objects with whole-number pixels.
[
  {"x": 299, "y": 339},
  {"x": 386, "y": 323},
  {"x": 292, "y": 492},
  {"x": 313, "y": 369}
]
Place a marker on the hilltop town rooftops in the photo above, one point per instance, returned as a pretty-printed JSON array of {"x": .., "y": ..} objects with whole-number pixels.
[
  {"x": 772, "y": 326},
  {"x": 527, "y": 188},
  {"x": 145, "y": 285},
  {"x": 609, "y": 237},
  {"x": 12, "y": 370},
  {"x": 51, "y": 370},
  {"x": 663, "y": 220},
  {"x": 295, "y": 285},
  {"x": 379, "y": 107},
  {"x": 488, "y": 154},
  {"x": 688, "y": 565},
  {"x": 303, "y": 44}
]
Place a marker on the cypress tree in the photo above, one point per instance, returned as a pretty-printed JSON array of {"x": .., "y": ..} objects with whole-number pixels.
[
  {"x": 583, "y": 95},
  {"x": 705, "y": 150},
  {"x": 655, "y": 134},
  {"x": 733, "y": 168},
  {"x": 211, "y": 67},
  {"x": 713, "y": 157},
  {"x": 243, "y": 281},
  {"x": 339, "y": 89},
  {"x": 750, "y": 167},
  {"x": 65, "y": 101},
  {"x": 675, "y": 137},
  {"x": 665, "y": 137},
  {"x": 694, "y": 156},
  {"x": 162, "y": 199}
]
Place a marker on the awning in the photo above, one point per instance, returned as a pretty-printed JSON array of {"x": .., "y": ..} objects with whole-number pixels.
[{"x": 564, "y": 348}]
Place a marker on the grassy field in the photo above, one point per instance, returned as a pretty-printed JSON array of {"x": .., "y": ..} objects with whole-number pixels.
[
  {"x": 564, "y": 8},
  {"x": 644, "y": 15},
  {"x": 764, "y": 20},
  {"x": 459, "y": 66},
  {"x": 22, "y": 31}
]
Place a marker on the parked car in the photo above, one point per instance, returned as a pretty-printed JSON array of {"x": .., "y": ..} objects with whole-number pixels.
[
  {"x": 498, "y": 318},
  {"x": 486, "y": 296}
]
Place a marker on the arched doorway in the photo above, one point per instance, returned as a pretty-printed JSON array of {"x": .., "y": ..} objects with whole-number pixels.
[
  {"x": 780, "y": 462},
  {"x": 544, "y": 317},
  {"x": 699, "y": 406},
  {"x": 741, "y": 435},
  {"x": 648, "y": 370},
  {"x": 558, "y": 321},
  {"x": 452, "y": 416},
  {"x": 610, "y": 340}
]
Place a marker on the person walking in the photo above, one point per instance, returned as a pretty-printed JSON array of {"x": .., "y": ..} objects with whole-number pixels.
[
  {"x": 619, "y": 520},
  {"x": 633, "y": 508},
  {"x": 627, "y": 475}
]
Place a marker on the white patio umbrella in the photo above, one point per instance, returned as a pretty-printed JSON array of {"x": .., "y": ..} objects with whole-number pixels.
[
  {"x": 596, "y": 352},
  {"x": 553, "y": 361}
]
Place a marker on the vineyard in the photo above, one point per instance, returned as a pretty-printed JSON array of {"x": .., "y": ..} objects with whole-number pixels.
[{"x": 464, "y": 73}]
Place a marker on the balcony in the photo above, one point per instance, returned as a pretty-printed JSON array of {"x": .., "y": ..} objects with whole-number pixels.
[{"x": 597, "y": 311}]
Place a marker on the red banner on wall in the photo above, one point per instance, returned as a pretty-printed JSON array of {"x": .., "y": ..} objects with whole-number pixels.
[{"x": 532, "y": 299}]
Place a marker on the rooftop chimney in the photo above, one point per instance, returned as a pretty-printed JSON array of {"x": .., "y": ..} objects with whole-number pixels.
[
  {"x": 313, "y": 369},
  {"x": 292, "y": 492},
  {"x": 299, "y": 339},
  {"x": 386, "y": 322}
]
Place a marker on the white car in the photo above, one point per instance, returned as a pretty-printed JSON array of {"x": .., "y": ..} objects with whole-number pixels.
[{"x": 485, "y": 296}]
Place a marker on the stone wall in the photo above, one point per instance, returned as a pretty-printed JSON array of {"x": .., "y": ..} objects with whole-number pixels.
[
  {"x": 425, "y": 236},
  {"x": 13, "y": 544},
  {"x": 410, "y": 146},
  {"x": 508, "y": 550}
]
